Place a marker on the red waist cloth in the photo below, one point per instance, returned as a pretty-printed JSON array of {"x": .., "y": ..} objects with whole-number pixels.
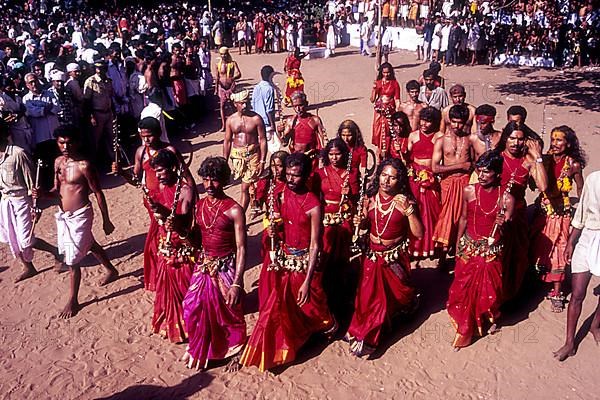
[
  {"x": 475, "y": 297},
  {"x": 452, "y": 196},
  {"x": 218, "y": 234},
  {"x": 426, "y": 190},
  {"x": 383, "y": 292},
  {"x": 283, "y": 327},
  {"x": 150, "y": 252}
]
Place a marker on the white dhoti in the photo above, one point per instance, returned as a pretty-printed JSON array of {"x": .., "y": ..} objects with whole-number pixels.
[
  {"x": 16, "y": 224},
  {"x": 74, "y": 232},
  {"x": 586, "y": 256},
  {"x": 273, "y": 142}
]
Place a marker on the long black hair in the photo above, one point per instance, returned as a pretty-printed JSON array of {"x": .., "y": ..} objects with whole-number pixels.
[
  {"x": 381, "y": 68},
  {"x": 354, "y": 129},
  {"x": 515, "y": 126},
  {"x": 574, "y": 149},
  {"x": 403, "y": 118},
  {"x": 402, "y": 184},
  {"x": 278, "y": 155},
  {"x": 339, "y": 144}
]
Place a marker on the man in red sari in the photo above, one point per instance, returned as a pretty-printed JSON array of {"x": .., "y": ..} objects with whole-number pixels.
[
  {"x": 296, "y": 308},
  {"x": 304, "y": 130},
  {"x": 384, "y": 289},
  {"x": 476, "y": 292},
  {"x": 522, "y": 154},
  {"x": 143, "y": 174},
  {"x": 386, "y": 98},
  {"x": 212, "y": 311},
  {"x": 424, "y": 184},
  {"x": 337, "y": 184},
  {"x": 452, "y": 160},
  {"x": 173, "y": 204}
]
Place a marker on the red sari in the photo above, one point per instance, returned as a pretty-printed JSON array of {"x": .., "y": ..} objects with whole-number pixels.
[
  {"x": 283, "y": 327},
  {"x": 476, "y": 291},
  {"x": 516, "y": 246},
  {"x": 383, "y": 289},
  {"x": 383, "y": 111},
  {"x": 359, "y": 157},
  {"x": 267, "y": 278},
  {"x": 426, "y": 189},
  {"x": 151, "y": 243},
  {"x": 338, "y": 228},
  {"x": 216, "y": 330},
  {"x": 172, "y": 281},
  {"x": 552, "y": 222}
]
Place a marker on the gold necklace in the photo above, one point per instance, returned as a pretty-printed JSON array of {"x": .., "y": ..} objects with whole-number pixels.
[
  {"x": 389, "y": 213},
  {"x": 214, "y": 221}
]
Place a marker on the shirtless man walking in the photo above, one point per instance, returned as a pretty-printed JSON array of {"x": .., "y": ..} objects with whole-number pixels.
[
  {"x": 458, "y": 95},
  {"x": 246, "y": 144},
  {"x": 452, "y": 160},
  {"x": 484, "y": 136},
  {"x": 228, "y": 72},
  {"x": 74, "y": 179},
  {"x": 413, "y": 106}
]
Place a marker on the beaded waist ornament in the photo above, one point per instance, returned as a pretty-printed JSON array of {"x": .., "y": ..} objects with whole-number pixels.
[{"x": 468, "y": 247}]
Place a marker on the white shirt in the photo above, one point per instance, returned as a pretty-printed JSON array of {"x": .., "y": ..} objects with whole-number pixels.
[{"x": 587, "y": 214}]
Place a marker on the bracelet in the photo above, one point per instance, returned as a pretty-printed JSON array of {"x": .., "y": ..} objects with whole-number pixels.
[
  {"x": 409, "y": 211},
  {"x": 237, "y": 286}
]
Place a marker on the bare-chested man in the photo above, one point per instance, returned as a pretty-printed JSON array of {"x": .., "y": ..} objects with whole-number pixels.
[
  {"x": 304, "y": 130},
  {"x": 452, "y": 160},
  {"x": 228, "y": 72},
  {"x": 74, "y": 179},
  {"x": 413, "y": 106},
  {"x": 484, "y": 136},
  {"x": 246, "y": 144},
  {"x": 458, "y": 96}
]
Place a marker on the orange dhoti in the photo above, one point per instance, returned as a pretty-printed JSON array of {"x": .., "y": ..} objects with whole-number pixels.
[{"x": 452, "y": 197}]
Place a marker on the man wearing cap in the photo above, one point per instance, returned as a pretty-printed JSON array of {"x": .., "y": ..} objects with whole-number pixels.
[
  {"x": 73, "y": 88},
  {"x": 65, "y": 113},
  {"x": 97, "y": 96},
  {"x": 245, "y": 143},
  {"x": 228, "y": 72},
  {"x": 41, "y": 110}
]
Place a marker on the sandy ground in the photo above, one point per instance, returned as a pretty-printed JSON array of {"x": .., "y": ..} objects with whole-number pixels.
[{"x": 108, "y": 352}]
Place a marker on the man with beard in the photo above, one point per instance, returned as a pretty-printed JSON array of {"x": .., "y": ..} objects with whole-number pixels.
[
  {"x": 296, "y": 308},
  {"x": 74, "y": 179},
  {"x": 430, "y": 94},
  {"x": 452, "y": 161},
  {"x": 246, "y": 144},
  {"x": 522, "y": 154},
  {"x": 458, "y": 96},
  {"x": 413, "y": 106}
]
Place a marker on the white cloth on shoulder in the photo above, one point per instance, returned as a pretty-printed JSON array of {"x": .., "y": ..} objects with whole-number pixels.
[
  {"x": 16, "y": 224},
  {"x": 74, "y": 232},
  {"x": 586, "y": 256}
]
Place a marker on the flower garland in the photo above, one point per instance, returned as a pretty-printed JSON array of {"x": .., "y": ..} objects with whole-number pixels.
[{"x": 564, "y": 185}]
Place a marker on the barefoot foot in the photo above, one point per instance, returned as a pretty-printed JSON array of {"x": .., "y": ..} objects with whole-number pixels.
[
  {"x": 110, "y": 276},
  {"x": 234, "y": 364},
  {"x": 564, "y": 352},
  {"x": 28, "y": 273},
  {"x": 70, "y": 310}
]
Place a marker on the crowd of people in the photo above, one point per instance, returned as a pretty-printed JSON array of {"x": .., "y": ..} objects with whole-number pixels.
[
  {"x": 342, "y": 223},
  {"x": 470, "y": 32}
]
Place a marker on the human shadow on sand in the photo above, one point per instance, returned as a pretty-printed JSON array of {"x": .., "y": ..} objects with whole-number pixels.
[
  {"x": 125, "y": 249},
  {"x": 433, "y": 286},
  {"x": 182, "y": 391}
]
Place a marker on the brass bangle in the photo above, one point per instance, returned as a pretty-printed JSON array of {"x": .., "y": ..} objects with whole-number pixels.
[{"x": 237, "y": 286}]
